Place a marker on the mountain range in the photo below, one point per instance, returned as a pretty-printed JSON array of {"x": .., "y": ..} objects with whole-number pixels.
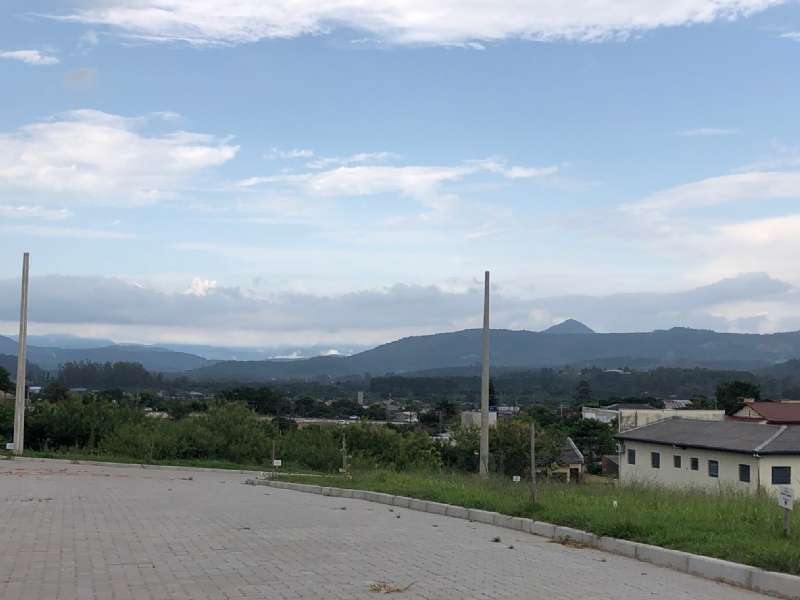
[
  {"x": 152, "y": 358},
  {"x": 573, "y": 344},
  {"x": 568, "y": 343}
]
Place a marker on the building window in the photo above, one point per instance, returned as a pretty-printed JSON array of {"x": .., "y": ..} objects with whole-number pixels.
[
  {"x": 781, "y": 475},
  {"x": 676, "y": 461},
  {"x": 655, "y": 460},
  {"x": 695, "y": 463},
  {"x": 713, "y": 468},
  {"x": 744, "y": 473},
  {"x": 631, "y": 456}
]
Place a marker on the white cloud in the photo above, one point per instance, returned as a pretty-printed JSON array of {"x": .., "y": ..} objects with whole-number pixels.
[
  {"x": 412, "y": 180},
  {"x": 103, "y": 158},
  {"x": 706, "y": 132},
  {"x": 201, "y": 287},
  {"x": 445, "y": 22},
  {"x": 90, "y": 38},
  {"x": 23, "y": 211},
  {"x": 276, "y": 153},
  {"x": 361, "y": 157},
  {"x": 755, "y": 185},
  {"x": 791, "y": 35},
  {"x": 771, "y": 243},
  {"x": 68, "y": 232},
  {"x": 31, "y": 57}
]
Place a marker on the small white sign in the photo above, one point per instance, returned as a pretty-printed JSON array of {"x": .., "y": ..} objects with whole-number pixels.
[
  {"x": 277, "y": 462},
  {"x": 516, "y": 478},
  {"x": 9, "y": 445},
  {"x": 786, "y": 498}
]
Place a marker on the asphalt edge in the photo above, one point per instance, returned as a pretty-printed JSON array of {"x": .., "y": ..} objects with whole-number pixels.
[
  {"x": 101, "y": 463},
  {"x": 780, "y": 585}
]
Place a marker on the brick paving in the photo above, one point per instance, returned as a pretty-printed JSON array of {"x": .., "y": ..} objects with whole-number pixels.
[{"x": 70, "y": 532}]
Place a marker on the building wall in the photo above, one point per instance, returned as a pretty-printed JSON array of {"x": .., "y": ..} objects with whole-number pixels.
[
  {"x": 472, "y": 418},
  {"x": 769, "y": 461},
  {"x": 669, "y": 475},
  {"x": 598, "y": 414},
  {"x": 630, "y": 418}
]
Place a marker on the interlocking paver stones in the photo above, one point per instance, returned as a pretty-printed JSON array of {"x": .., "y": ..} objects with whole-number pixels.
[{"x": 83, "y": 532}]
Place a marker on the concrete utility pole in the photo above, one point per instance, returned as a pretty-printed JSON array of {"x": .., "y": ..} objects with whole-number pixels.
[
  {"x": 534, "y": 490},
  {"x": 19, "y": 406},
  {"x": 484, "y": 451}
]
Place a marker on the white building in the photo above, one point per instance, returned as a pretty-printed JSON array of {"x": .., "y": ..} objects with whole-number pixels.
[
  {"x": 630, "y": 416},
  {"x": 712, "y": 455},
  {"x": 472, "y": 418}
]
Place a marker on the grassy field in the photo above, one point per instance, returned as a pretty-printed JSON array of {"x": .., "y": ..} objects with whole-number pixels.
[{"x": 740, "y": 528}]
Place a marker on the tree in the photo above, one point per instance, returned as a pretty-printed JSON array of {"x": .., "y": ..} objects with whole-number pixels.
[
  {"x": 375, "y": 412},
  {"x": 702, "y": 402},
  {"x": 583, "y": 393},
  {"x": 593, "y": 439},
  {"x": 544, "y": 416},
  {"x": 5, "y": 380},
  {"x": 55, "y": 392},
  {"x": 732, "y": 394}
]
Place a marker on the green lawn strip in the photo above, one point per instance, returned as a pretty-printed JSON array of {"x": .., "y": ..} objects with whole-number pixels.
[{"x": 736, "y": 527}]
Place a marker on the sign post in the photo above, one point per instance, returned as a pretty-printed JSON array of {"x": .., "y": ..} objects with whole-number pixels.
[{"x": 786, "y": 502}]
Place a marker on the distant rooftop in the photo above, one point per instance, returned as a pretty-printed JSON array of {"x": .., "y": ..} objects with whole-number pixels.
[
  {"x": 777, "y": 412},
  {"x": 731, "y": 436}
]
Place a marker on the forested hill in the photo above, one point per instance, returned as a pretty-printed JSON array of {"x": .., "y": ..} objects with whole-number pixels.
[
  {"x": 152, "y": 358},
  {"x": 527, "y": 349}
]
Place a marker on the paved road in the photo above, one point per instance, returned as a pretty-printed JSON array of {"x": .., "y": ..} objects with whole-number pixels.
[{"x": 86, "y": 532}]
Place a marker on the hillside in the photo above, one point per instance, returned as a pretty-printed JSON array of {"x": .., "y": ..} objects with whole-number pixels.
[
  {"x": 9, "y": 363},
  {"x": 569, "y": 327},
  {"x": 152, "y": 358},
  {"x": 526, "y": 349}
]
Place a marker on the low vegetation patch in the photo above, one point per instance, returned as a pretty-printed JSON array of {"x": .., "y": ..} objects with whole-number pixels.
[{"x": 736, "y": 527}]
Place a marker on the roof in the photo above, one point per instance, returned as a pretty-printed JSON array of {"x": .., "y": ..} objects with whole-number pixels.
[
  {"x": 729, "y": 436},
  {"x": 777, "y": 412},
  {"x": 570, "y": 455}
]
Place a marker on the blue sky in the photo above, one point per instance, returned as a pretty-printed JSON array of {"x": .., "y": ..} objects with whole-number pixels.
[{"x": 365, "y": 162}]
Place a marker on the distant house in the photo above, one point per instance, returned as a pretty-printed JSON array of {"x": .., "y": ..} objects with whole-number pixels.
[
  {"x": 712, "y": 455},
  {"x": 569, "y": 467},
  {"x": 472, "y": 418},
  {"x": 630, "y": 416},
  {"x": 507, "y": 411},
  {"x": 779, "y": 413},
  {"x": 571, "y": 462}
]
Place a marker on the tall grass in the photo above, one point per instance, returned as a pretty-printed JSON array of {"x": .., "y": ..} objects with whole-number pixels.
[{"x": 730, "y": 526}]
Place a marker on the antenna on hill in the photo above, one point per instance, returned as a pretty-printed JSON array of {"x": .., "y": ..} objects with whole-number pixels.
[
  {"x": 484, "y": 446},
  {"x": 19, "y": 404}
]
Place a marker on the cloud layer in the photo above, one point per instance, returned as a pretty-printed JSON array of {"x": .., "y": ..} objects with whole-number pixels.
[
  {"x": 445, "y": 22},
  {"x": 208, "y": 313}
]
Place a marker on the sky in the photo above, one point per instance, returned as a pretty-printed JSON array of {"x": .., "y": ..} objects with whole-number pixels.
[{"x": 343, "y": 172}]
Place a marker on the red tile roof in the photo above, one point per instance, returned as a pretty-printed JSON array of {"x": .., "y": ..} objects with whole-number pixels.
[{"x": 778, "y": 412}]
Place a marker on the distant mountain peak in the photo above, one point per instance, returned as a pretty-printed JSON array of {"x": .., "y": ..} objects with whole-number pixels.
[{"x": 570, "y": 326}]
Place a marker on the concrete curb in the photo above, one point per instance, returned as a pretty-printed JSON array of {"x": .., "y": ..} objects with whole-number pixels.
[{"x": 780, "y": 585}]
